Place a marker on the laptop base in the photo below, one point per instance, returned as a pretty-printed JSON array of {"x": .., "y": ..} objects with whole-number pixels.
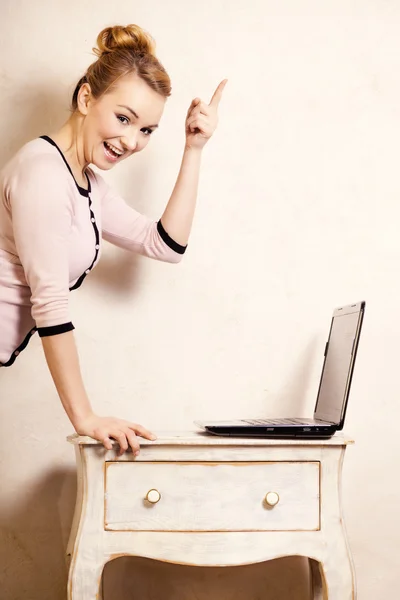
[{"x": 323, "y": 432}]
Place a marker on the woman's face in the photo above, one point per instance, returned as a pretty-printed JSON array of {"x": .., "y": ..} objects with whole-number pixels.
[{"x": 120, "y": 122}]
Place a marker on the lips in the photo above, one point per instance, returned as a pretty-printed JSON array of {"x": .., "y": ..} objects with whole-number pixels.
[{"x": 111, "y": 154}]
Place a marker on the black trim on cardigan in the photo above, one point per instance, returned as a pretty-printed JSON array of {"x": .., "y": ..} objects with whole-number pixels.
[
  {"x": 169, "y": 241},
  {"x": 82, "y": 191},
  {"x": 86, "y": 193},
  {"x": 19, "y": 349},
  {"x": 96, "y": 248},
  {"x": 55, "y": 329},
  {"x": 43, "y": 332}
]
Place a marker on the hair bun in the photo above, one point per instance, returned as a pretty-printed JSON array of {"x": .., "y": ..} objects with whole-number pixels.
[{"x": 131, "y": 37}]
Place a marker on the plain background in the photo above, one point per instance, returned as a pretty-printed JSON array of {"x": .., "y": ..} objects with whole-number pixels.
[{"x": 298, "y": 212}]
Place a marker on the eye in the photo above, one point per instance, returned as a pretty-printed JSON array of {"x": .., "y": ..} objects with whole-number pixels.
[
  {"x": 147, "y": 130},
  {"x": 123, "y": 119}
]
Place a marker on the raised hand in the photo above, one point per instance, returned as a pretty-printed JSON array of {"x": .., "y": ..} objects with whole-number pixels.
[{"x": 202, "y": 119}]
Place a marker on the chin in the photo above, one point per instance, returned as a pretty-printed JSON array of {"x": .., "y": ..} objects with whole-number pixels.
[
  {"x": 104, "y": 167},
  {"x": 103, "y": 164}
]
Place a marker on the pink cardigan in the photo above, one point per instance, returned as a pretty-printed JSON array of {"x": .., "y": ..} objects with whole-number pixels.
[{"x": 50, "y": 239}]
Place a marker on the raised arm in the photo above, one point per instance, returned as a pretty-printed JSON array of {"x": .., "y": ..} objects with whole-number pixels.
[
  {"x": 201, "y": 122},
  {"x": 167, "y": 239}
]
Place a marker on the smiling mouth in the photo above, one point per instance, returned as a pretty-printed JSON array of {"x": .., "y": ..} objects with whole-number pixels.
[{"x": 112, "y": 152}]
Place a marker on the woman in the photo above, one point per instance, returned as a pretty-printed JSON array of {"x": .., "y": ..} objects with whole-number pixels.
[{"x": 54, "y": 210}]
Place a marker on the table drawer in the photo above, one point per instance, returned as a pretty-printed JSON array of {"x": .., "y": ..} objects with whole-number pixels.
[{"x": 212, "y": 496}]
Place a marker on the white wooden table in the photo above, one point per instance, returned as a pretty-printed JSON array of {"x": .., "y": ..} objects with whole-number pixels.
[{"x": 195, "y": 499}]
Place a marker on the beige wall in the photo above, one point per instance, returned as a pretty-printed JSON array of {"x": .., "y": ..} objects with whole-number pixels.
[{"x": 298, "y": 212}]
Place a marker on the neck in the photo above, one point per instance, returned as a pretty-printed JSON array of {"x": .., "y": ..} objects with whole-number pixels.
[{"x": 70, "y": 141}]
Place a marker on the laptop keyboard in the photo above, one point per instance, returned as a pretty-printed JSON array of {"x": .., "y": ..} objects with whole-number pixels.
[{"x": 277, "y": 421}]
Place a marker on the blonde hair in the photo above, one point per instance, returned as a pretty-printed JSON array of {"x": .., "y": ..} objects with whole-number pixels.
[{"x": 121, "y": 51}]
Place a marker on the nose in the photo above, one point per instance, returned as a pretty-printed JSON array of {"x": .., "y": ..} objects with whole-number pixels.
[{"x": 130, "y": 142}]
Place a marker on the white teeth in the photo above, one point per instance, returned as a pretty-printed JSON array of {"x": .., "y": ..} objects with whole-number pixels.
[{"x": 116, "y": 150}]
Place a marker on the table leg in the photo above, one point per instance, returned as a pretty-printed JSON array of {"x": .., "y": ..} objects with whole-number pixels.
[
  {"x": 317, "y": 590},
  {"x": 84, "y": 581},
  {"x": 333, "y": 580}
]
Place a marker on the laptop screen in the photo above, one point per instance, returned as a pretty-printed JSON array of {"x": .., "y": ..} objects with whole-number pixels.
[{"x": 338, "y": 365}]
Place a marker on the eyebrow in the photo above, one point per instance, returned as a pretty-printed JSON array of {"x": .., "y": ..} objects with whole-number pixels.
[{"x": 133, "y": 113}]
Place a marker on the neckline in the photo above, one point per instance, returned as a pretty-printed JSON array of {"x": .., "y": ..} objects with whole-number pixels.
[{"x": 83, "y": 191}]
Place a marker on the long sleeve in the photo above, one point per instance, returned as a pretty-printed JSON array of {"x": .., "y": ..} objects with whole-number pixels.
[
  {"x": 42, "y": 211},
  {"x": 123, "y": 226}
]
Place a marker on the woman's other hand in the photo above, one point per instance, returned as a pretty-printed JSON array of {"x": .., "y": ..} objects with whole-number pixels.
[{"x": 104, "y": 429}]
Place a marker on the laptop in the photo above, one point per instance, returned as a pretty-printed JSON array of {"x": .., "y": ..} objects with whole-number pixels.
[{"x": 333, "y": 392}]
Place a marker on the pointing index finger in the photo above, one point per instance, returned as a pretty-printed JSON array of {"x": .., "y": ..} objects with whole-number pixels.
[{"x": 216, "y": 99}]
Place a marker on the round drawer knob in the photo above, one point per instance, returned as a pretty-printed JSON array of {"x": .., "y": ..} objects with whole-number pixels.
[
  {"x": 272, "y": 498},
  {"x": 153, "y": 496}
]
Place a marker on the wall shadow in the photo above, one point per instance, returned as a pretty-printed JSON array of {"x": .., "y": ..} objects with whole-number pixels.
[
  {"x": 40, "y": 109},
  {"x": 296, "y": 399},
  {"x": 33, "y": 537},
  {"x": 118, "y": 273}
]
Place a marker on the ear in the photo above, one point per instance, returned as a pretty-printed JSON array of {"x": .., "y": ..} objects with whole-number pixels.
[{"x": 84, "y": 98}]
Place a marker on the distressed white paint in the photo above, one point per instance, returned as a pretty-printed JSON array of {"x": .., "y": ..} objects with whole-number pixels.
[
  {"x": 212, "y": 496},
  {"x": 91, "y": 546},
  {"x": 204, "y": 440}
]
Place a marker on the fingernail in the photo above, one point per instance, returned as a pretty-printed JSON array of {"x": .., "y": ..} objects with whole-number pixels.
[
  {"x": 153, "y": 437},
  {"x": 137, "y": 453}
]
